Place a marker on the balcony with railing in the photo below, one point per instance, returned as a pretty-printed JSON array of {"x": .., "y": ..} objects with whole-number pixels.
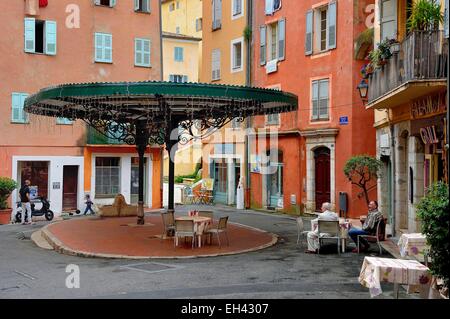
[{"x": 419, "y": 68}]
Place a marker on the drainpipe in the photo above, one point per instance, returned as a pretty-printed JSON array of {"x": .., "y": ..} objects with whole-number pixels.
[
  {"x": 248, "y": 82},
  {"x": 161, "y": 42},
  {"x": 391, "y": 128}
]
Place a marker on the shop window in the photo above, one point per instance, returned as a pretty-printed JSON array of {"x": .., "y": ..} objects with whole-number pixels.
[{"x": 107, "y": 177}]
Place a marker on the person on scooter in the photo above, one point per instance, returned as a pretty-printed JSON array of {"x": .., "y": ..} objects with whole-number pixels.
[{"x": 25, "y": 200}]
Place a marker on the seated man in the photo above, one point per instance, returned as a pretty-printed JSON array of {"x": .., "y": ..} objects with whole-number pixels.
[
  {"x": 369, "y": 227},
  {"x": 313, "y": 235}
]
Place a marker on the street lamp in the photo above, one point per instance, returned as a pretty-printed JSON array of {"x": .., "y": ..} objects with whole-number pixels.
[{"x": 363, "y": 89}]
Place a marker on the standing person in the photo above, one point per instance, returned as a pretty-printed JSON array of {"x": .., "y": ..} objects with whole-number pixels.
[
  {"x": 89, "y": 204},
  {"x": 369, "y": 227},
  {"x": 25, "y": 200},
  {"x": 313, "y": 235}
]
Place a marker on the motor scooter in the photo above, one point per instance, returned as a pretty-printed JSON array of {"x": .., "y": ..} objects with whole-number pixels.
[{"x": 43, "y": 211}]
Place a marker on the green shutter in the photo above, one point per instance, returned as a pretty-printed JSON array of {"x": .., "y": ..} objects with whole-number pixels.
[
  {"x": 281, "y": 39},
  {"x": 262, "y": 45},
  {"x": 50, "y": 37},
  {"x": 112, "y": 3},
  {"x": 331, "y": 30},
  {"x": 29, "y": 34},
  {"x": 136, "y": 5}
]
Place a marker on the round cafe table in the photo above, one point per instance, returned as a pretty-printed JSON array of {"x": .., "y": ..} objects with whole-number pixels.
[{"x": 200, "y": 224}]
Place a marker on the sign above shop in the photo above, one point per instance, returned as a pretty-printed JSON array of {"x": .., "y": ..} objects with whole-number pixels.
[
  {"x": 428, "y": 106},
  {"x": 428, "y": 135}
]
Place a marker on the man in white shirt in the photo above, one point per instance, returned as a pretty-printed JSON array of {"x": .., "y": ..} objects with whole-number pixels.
[{"x": 313, "y": 235}]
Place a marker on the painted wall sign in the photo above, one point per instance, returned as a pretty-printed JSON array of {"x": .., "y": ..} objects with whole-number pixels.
[
  {"x": 428, "y": 135},
  {"x": 56, "y": 185},
  {"x": 343, "y": 120},
  {"x": 430, "y": 105}
]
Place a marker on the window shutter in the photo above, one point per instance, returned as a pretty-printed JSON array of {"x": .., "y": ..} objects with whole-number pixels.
[
  {"x": 136, "y": 5},
  {"x": 97, "y": 2},
  {"x": 446, "y": 20},
  {"x": 262, "y": 41},
  {"x": 146, "y": 6},
  {"x": 331, "y": 30},
  {"x": 171, "y": 78},
  {"x": 30, "y": 24},
  {"x": 98, "y": 47},
  {"x": 138, "y": 52},
  {"x": 269, "y": 7},
  {"x": 281, "y": 39},
  {"x": 323, "y": 99},
  {"x": 107, "y": 47},
  {"x": 112, "y": 3},
  {"x": 315, "y": 100},
  {"x": 50, "y": 37},
  {"x": 216, "y": 64},
  {"x": 309, "y": 33},
  {"x": 217, "y": 14},
  {"x": 146, "y": 52},
  {"x": 185, "y": 78},
  {"x": 18, "y": 114}
]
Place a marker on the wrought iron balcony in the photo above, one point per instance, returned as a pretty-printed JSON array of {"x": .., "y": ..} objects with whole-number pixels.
[
  {"x": 419, "y": 68},
  {"x": 94, "y": 137}
]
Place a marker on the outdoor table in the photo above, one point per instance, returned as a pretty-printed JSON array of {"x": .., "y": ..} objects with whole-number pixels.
[
  {"x": 413, "y": 245},
  {"x": 200, "y": 224},
  {"x": 344, "y": 227},
  {"x": 398, "y": 271}
]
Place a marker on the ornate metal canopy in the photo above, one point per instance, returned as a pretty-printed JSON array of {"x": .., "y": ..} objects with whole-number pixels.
[{"x": 117, "y": 109}]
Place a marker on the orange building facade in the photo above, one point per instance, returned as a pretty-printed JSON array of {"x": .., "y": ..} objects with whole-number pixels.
[
  {"x": 297, "y": 159},
  {"x": 71, "y": 42}
]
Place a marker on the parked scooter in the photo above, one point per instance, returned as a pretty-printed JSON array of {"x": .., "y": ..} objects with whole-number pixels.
[{"x": 43, "y": 211}]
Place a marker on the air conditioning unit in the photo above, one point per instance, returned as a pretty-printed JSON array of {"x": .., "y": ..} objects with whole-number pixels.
[{"x": 272, "y": 66}]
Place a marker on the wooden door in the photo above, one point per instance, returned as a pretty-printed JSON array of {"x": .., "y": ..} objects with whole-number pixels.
[
  {"x": 322, "y": 164},
  {"x": 70, "y": 187}
]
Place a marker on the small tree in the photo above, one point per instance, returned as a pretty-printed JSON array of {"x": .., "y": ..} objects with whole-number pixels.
[
  {"x": 7, "y": 185},
  {"x": 361, "y": 170},
  {"x": 433, "y": 211}
]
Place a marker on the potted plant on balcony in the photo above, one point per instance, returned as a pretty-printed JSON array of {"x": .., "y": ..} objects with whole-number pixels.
[
  {"x": 7, "y": 185},
  {"x": 424, "y": 15}
]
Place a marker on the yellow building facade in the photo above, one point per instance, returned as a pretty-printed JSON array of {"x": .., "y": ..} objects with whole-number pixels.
[
  {"x": 225, "y": 62},
  {"x": 182, "y": 57}
]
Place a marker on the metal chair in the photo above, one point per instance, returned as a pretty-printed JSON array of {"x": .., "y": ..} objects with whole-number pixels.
[
  {"x": 221, "y": 228},
  {"x": 300, "y": 229},
  {"x": 189, "y": 197},
  {"x": 329, "y": 230},
  {"x": 184, "y": 228},
  {"x": 379, "y": 235},
  {"x": 168, "y": 220}
]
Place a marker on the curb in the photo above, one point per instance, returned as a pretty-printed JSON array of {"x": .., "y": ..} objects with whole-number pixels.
[{"x": 59, "y": 247}]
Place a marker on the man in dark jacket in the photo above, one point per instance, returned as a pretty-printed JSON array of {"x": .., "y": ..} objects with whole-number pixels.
[
  {"x": 369, "y": 227},
  {"x": 25, "y": 200}
]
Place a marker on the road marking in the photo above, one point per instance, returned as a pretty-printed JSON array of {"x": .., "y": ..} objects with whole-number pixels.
[{"x": 24, "y": 274}]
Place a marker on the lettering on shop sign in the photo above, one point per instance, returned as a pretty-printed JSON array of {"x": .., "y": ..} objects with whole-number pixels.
[
  {"x": 429, "y": 105},
  {"x": 428, "y": 135}
]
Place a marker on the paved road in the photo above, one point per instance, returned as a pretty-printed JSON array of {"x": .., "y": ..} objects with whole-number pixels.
[{"x": 281, "y": 271}]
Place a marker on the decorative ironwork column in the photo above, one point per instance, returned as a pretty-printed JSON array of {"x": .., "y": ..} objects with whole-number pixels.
[
  {"x": 171, "y": 145},
  {"x": 142, "y": 136}
]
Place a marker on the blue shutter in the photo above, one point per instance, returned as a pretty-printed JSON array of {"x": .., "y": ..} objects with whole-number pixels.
[
  {"x": 171, "y": 78},
  {"x": 50, "y": 37},
  {"x": 136, "y": 5},
  {"x": 185, "y": 78},
  {"x": 281, "y": 39},
  {"x": 138, "y": 52},
  {"x": 446, "y": 20},
  {"x": 269, "y": 7},
  {"x": 107, "y": 48},
  {"x": 18, "y": 114},
  {"x": 112, "y": 3},
  {"x": 146, "y": 52},
  {"x": 98, "y": 47},
  {"x": 309, "y": 33},
  {"x": 29, "y": 35},
  {"x": 331, "y": 30}
]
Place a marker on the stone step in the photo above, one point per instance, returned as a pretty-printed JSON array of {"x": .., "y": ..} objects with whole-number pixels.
[{"x": 40, "y": 241}]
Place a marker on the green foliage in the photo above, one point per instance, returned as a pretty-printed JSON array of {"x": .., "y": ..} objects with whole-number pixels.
[
  {"x": 381, "y": 53},
  {"x": 247, "y": 34},
  {"x": 7, "y": 185},
  {"x": 361, "y": 170},
  {"x": 195, "y": 175},
  {"x": 433, "y": 211},
  {"x": 425, "y": 15}
]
